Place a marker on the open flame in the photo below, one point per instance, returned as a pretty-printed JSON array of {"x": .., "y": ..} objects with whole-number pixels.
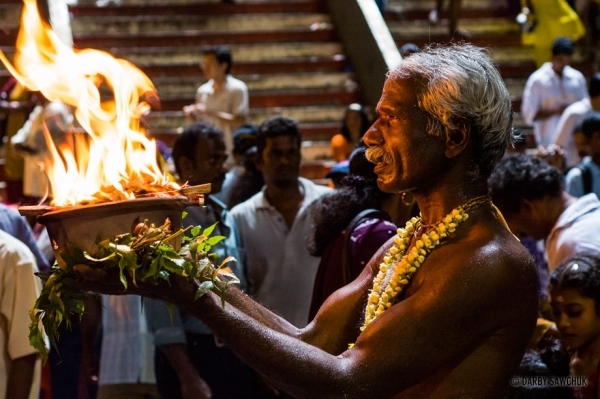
[{"x": 114, "y": 160}]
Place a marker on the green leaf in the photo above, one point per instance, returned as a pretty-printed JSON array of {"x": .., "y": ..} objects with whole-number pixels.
[
  {"x": 214, "y": 240},
  {"x": 154, "y": 268},
  {"x": 195, "y": 231},
  {"x": 73, "y": 256},
  {"x": 204, "y": 288},
  {"x": 208, "y": 231},
  {"x": 122, "y": 274}
]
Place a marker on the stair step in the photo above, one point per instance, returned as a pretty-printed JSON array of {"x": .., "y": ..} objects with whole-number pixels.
[
  {"x": 122, "y": 3},
  {"x": 130, "y": 8},
  {"x": 173, "y": 120},
  {"x": 177, "y": 86},
  {"x": 196, "y": 25},
  {"x": 394, "y": 5},
  {"x": 278, "y": 99},
  {"x": 480, "y": 26},
  {"x": 241, "y": 53},
  {"x": 223, "y": 38},
  {"x": 191, "y": 68}
]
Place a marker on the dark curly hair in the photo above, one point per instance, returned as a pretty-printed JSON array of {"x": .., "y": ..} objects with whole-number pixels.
[
  {"x": 518, "y": 177},
  {"x": 186, "y": 142},
  {"x": 274, "y": 127},
  {"x": 222, "y": 54},
  {"x": 581, "y": 273},
  {"x": 590, "y": 124},
  {"x": 333, "y": 212}
]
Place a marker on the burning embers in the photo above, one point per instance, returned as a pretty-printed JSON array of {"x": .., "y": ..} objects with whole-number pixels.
[{"x": 114, "y": 160}]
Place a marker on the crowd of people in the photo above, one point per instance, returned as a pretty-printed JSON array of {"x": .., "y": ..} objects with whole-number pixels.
[{"x": 442, "y": 263}]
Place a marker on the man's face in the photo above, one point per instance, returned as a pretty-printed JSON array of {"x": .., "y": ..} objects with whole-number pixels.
[
  {"x": 209, "y": 166},
  {"x": 581, "y": 143},
  {"x": 211, "y": 67},
  {"x": 559, "y": 62},
  {"x": 594, "y": 145},
  {"x": 576, "y": 317},
  {"x": 405, "y": 155},
  {"x": 280, "y": 161},
  {"x": 530, "y": 220}
]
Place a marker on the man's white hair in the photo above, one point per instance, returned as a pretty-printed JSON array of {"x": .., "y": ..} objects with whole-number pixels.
[{"x": 463, "y": 89}]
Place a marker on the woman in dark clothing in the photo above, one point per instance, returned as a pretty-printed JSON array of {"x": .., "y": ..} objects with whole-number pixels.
[{"x": 346, "y": 241}]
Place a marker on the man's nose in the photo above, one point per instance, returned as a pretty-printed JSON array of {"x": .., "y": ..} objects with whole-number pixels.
[{"x": 373, "y": 135}]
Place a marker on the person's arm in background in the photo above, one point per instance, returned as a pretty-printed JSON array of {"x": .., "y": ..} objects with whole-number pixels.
[
  {"x": 236, "y": 116},
  {"x": 20, "y": 377},
  {"x": 170, "y": 339},
  {"x": 531, "y": 105},
  {"x": 20, "y": 289},
  {"x": 193, "y": 385}
]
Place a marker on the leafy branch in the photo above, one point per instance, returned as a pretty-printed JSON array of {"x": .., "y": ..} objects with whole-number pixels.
[{"x": 146, "y": 255}]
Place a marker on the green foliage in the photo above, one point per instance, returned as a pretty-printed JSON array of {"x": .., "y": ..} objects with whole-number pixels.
[{"x": 148, "y": 257}]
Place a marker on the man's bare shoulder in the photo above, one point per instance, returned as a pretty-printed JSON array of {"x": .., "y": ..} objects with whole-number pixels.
[{"x": 487, "y": 253}]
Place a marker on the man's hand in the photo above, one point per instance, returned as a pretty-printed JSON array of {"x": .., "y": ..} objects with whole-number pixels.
[
  {"x": 195, "y": 388},
  {"x": 108, "y": 282},
  {"x": 553, "y": 154},
  {"x": 194, "y": 110}
]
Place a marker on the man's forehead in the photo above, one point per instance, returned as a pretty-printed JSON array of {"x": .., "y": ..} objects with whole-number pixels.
[
  {"x": 282, "y": 141},
  {"x": 399, "y": 94},
  {"x": 209, "y": 58},
  {"x": 210, "y": 145}
]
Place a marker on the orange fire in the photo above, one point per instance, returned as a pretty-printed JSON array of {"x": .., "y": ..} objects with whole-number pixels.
[{"x": 114, "y": 160}]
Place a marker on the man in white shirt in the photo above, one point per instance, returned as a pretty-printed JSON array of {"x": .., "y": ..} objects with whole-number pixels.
[
  {"x": 20, "y": 367},
  {"x": 271, "y": 228},
  {"x": 572, "y": 117},
  {"x": 223, "y": 100},
  {"x": 530, "y": 194},
  {"x": 550, "y": 90},
  {"x": 585, "y": 178}
]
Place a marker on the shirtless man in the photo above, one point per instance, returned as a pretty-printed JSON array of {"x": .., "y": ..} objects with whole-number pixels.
[{"x": 461, "y": 326}]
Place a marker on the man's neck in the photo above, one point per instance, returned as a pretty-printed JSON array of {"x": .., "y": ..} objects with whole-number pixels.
[
  {"x": 439, "y": 202},
  {"x": 559, "y": 72},
  {"x": 286, "y": 199},
  {"x": 284, "y": 194},
  {"x": 218, "y": 82}
]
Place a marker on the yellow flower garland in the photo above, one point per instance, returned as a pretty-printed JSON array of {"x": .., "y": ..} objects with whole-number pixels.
[{"x": 398, "y": 267}]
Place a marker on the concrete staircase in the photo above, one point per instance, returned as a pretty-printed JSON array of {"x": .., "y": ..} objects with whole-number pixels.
[
  {"x": 287, "y": 52},
  {"x": 489, "y": 24}
]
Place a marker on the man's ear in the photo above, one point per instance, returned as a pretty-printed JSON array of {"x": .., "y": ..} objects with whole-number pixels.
[
  {"x": 527, "y": 208},
  {"x": 258, "y": 161},
  {"x": 458, "y": 139}
]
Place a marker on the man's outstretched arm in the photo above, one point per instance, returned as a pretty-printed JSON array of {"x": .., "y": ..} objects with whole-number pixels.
[{"x": 403, "y": 346}]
